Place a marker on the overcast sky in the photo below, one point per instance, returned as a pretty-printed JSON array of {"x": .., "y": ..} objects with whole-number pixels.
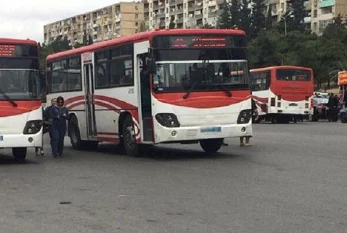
[{"x": 24, "y": 19}]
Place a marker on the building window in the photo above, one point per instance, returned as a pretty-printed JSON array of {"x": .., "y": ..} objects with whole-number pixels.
[
  {"x": 136, "y": 16},
  {"x": 136, "y": 8},
  {"x": 315, "y": 14}
]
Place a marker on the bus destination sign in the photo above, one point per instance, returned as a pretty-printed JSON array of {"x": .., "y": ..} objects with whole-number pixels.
[
  {"x": 181, "y": 42},
  {"x": 7, "y": 50},
  {"x": 11, "y": 50}
]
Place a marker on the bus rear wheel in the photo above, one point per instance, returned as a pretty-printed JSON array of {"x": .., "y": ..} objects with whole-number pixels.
[
  {"x": 19, "y": 154},
  {"x": 211, "y": 145},
  {"x": 129, "y": 138}
]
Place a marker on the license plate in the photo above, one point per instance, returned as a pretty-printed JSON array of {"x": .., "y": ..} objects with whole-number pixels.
[
  {"x": 211, "y": 130},
  {"x": 1, "y": 138}
]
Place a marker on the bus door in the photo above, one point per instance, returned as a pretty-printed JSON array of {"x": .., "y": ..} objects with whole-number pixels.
[
  {"x": 88, "y": 72},
  {"x": 144, "y": 92}
]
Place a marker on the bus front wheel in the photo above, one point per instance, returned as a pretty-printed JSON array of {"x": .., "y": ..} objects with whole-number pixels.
[
  {"x": 75, "y": 137},
  {"x": 129, "y": 138},
  {"x": 211, "y": 145},
  {"x": 19, "y": 154}
]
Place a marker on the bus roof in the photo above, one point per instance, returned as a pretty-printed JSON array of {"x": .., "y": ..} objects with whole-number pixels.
[
  {"x": 142, "y": 36},
  {"x": 282, "y": 67},
  {"x": 17, "y": 41}
]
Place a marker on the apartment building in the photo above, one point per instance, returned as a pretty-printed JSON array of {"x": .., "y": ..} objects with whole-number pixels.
[
  {"x": 280, "y": 7},
  {"x": 184, "y": 13},
  {"x": 324, "y": 11},
  {"x": 319, "y": 13},
  {"x": 102, "y": 24}
]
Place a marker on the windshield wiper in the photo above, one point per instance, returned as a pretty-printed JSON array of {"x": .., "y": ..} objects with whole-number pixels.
[
  {"x": 192, "y": 87},
  {"x": 14, "y": 104}
]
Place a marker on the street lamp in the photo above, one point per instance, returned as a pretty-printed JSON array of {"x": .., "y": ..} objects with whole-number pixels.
[{"x": 284, "y": 18}]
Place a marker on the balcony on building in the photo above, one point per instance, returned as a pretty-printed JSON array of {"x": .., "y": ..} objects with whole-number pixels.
[
  {"x": 161, "y": 14},
  {"x": 326, "y": 3},
  {"x": 307, "y": 19}
]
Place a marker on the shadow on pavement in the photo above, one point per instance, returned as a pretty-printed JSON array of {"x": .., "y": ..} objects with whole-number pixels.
[
  {"x": 9, "y": 160},
  {"x": 162, "y": 153}
]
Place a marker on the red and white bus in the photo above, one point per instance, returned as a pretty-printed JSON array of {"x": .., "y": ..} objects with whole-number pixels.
[
  {"x": 21, "y": 111},
  {"x": 282, "y": 93},
  {"x": 168, "y": 86}
]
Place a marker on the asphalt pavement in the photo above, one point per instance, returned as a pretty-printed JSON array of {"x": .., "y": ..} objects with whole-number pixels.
[{"x": 293, "y": 179}]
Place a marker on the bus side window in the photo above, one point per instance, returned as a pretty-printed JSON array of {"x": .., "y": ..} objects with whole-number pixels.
[{"x": 101, "y": 77}]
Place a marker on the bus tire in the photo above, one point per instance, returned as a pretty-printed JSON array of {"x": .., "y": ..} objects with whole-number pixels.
[
  {"x": 75, "y": 137},
  {"x": 19, "y": 154},
  {"x": 129, "y": 137},
  {"x": 211, "y": 145},
  {"x": 343, "y": 118}
]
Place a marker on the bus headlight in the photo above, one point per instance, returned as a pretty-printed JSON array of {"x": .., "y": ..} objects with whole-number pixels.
[
  {"x": 33, "y": 127},
  {"x": 244, "y": 116},
  {"x": 167, "y": 119}
]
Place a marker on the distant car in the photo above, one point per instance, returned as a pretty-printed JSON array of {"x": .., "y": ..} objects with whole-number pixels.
[{"x": 320, "y": 108}]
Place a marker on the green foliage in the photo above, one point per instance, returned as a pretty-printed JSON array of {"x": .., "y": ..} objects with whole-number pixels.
[
  {"x": 61, "y": 44},
  {"x": 258, "y": 17},
  {"x": 245, "y": 17}
]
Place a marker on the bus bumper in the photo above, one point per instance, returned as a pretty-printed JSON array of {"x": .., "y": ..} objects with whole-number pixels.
[
  {"x": 182, "y": 134},
  {"x": 21, "y": 140}
]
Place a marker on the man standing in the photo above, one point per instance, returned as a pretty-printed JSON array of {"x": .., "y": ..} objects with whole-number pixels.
[
  {"x": 60, "y": 116},
  {"x": 48, "y": 119}
]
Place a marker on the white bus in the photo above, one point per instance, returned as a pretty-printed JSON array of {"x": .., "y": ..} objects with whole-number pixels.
[
  {"x": 169, "y": 86},
  {"x": 21, "y": 111}
]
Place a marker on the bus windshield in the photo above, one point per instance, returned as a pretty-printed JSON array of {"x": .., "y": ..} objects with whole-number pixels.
[
  {"x": 179, "y": 76},
  {"x": 293, "y": 75},
  {"x": 19, "y": 84}
]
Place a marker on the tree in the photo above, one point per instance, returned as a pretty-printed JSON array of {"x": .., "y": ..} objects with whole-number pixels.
[
  {"x": 268, "y": 22},
  {"x": 263, "y": 50},
  {"x": 296, "y": 23},
  {"x": 224, "y": 19},
  {"x": 143, "y": 27},
  {"x": 245, "y": 17},
  {"x": 258, "y": 17},
  {"x": 235, "y": 13}
]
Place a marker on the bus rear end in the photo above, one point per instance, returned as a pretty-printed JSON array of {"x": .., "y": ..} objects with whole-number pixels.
[
  {"x": 200, "y": 87},
  {"x": 21, "y": 111},
  {"x": 291, "y": 92}
]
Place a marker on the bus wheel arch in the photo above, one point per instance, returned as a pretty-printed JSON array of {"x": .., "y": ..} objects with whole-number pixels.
[
  {"x": 75, "y": 136},
  {"x": 128, "y": 134}
]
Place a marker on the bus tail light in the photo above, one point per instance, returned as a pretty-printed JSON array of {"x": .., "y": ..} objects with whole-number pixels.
[
  {"x": 167, "y": 119},
  {"x": 312, "y": 104},
  {"x": 32, "y": 127},
  {"x": 273, "y": 102},
  {"x": 245, "y": 116}
]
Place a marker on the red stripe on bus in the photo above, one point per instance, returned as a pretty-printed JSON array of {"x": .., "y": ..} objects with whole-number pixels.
[
  {"x": 204, "y": 99},
  {"x": 22, "y": 107}
]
